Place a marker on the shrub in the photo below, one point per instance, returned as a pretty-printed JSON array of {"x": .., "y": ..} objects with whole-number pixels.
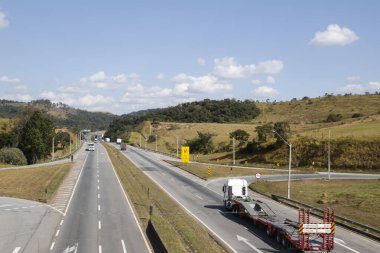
[
  {"x": 334, "y": 117},
  {"x": 357, "y": 115},
  {"x": 12, "y": 156}
]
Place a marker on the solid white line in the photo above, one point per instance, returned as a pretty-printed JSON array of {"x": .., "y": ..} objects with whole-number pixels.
[
  {"x": 130, "y": 206},
  {"x": 52, "y": 246},
  {"x": 75, "y": 186},
  {"x": 56, "y": 234},
  {"x": 123, "y": 245},
  {"x": 347, "y": 247},
  {"x": 61, "y": 223},
  {"x": 99, "y": 225},
  {"x": 204, "y": 224},
  {"x": 100, "y": 248},
  {"x": 16, "y": 250},
  {"x": 98, "y": 207}
]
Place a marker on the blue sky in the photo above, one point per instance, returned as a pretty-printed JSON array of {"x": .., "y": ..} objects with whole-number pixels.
[{"x": 122, "y": 56}]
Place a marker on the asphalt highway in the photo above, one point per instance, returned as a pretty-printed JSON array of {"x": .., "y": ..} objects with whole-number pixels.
[
  {"x": 99, "y": 217},
  {"x": 204, "y": 201}
]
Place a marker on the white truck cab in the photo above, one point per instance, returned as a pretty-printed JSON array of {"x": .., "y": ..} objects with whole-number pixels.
[
  {"x": 91, "y": 147},
  {"x": 234, "y": 188}
]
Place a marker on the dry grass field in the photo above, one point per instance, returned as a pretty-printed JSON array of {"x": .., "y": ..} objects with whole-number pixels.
[{"x": 30, "y": 183}]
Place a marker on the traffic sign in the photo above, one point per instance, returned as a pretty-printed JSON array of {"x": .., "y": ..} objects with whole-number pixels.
[
  {"x": 209, "y": 171},
  {"x": 317, "y": 228},
  {"x": 185, "y": 154},
  {"x": 258, "y": 175}
]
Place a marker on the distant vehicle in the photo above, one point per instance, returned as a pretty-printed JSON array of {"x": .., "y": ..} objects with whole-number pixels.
[
  {"x": 107, "y": 139},
  {"x": 303, "y": 235},
  {"x": 118, "y": 140},
  {"x": 91, "y": 147},
  {"x": 123, "y": 146}
]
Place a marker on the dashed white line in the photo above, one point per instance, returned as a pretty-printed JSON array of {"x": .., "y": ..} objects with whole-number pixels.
[
  {"x": 98, "y": 181},
  {"x": 99, "y": 225},
  {"x": 98, "y": 187},
  {"x": 98, "y": 207},
  {"x": 123, "y": 245},
  {"x": 52, "y": 246},
  {"x": 98, "y": 195},
  {"x": 100, "y": 248},
  {"x": 16, "y": 250},
  {"x": 341, "y": 244},
  {"x": 61, "y": 223},
  {"x": 56, "y": 234}
]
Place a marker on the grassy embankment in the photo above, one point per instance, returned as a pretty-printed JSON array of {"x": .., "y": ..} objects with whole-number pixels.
[
  {"x": 201, "y": 170},
  {"x": 354, "y": 199},
  {"x": 179, "y": 231},
  {"x": 31, "y": 183}
]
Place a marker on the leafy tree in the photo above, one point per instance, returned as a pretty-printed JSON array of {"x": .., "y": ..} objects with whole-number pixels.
[
  {"x": 240, "y": 135},
  {"x": 264, "y": 131},
  {"x": 334, "y": 117},
  {"x": 7, "y": 139},
  {"x": 62, "y": 138},
  {"x": 202, "y": 144},
  {"x": 36, "y": 137},
  {"x": 283, "y": 129}
]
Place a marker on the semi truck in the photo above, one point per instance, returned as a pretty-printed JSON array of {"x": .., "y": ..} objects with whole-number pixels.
[
  {"x": 91, "y": 147},
  {"x": 123, "y": 146},
  {"x": 118, "y": 140},
  {"x": 302, "y": 235}
]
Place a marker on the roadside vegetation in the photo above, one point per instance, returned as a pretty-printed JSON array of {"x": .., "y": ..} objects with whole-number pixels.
[
  {"x": 30, "y": 183},
  {"x": 202, "y": 170},
  {"x": 353, "y": 199},
  {"x": 168, "y": 217}
]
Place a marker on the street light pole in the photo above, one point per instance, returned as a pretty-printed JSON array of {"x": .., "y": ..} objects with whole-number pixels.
[
  {"x": 156, "y": 142},
  {"x": 177, "y": 146},
  {"x": 290, "y": 161}
]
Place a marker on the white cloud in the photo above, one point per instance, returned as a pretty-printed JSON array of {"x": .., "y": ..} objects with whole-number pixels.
[
  {"x": 185, "y": 84},
  {"x": 201, "y": 61},
  {"x": 18, "y": 97},
  {"x": 270, "y": 80},
  {"x": 265, "y": 92},
  {"x": 4, "y": 23},
  {"x": 98, "y": 77},
  {"x": 230, "y": 69},
  {"x": 6, "y": 79},
  {"x": 353, "y": 78},
  {"x": 91, "y": 100},
  {"x": 160, "y": 76},
  {"x": 256, "y": 82},
  {"x": 360, "y": 88},
  {"x": 334, "y": 35}
]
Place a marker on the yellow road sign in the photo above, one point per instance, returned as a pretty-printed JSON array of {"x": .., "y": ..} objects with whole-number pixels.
[
  {"x": 209, "y": 171},
  {"x": 185, "y": 154}
]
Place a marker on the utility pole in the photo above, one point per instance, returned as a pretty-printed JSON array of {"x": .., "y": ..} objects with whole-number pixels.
[
  {"x": 233, "y": 150},
  {"x": 177, "y": 146},
  {"x": 328, "y": 155},
  {"x": 156, "y": 142},
  {"x": 290, "y": 160},
  {"x": 52, "y": 156},
  {"x": 140, "y": 140},
  {"x": 70, "y": 142}
]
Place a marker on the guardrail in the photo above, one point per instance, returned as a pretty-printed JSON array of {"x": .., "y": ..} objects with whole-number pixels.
[{"x": 360, "y": 228}]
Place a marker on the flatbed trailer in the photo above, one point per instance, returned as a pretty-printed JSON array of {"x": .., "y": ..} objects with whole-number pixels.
[{"x": 302, "y": 235}]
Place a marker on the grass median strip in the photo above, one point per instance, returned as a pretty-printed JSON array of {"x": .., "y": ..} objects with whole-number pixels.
[
  {"x": 354, "y": 199},
  {"x": 201, "y": 170},
  {"x": 30, "y": 183},
  {"x": 177, "y": 229}
]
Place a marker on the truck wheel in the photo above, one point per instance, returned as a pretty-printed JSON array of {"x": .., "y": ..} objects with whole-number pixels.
[
  {"x": 278, "y": 238},
  {"x": 284, "y": 242}
]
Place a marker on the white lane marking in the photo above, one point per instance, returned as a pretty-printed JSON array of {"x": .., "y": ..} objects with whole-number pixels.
[
  {"x": 52, "y": 207},
  {"x": 100, "y": 248},
  {"x": 8, "y": 209},
  {"x": 98, "y": 188},
  {"x": 98, "y": 175},
  {"x": 123, "y": 245},
  {"x": 24, "y": 207},
  {"x": 76, "y": 248},
  {"x": 98, "y": 195},
  {"x": 98, "y": 181},
  {"x": 98, "y": 207},
  {"x": 5, "y": 205},
  {"x": 75, "y": 186},
  {"x": 61, "y": 223},
  {"x": 199, "y": 197},
  {"x": 16, "y": 250},
  {"x": 187, "y": 210},
  {"x": 99, "y": 225},
  {"x": 245, "y": 240},
  {"x": 130, "y": 206},
  {"x": 341, "y": 244},
  {"x": 52, "y": 246},
  {"x": 56, "y": 234}
]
